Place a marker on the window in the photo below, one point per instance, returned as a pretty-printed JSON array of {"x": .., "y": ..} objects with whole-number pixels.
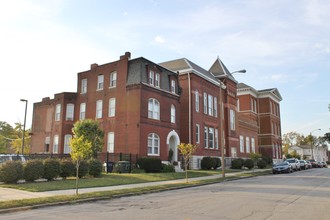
[
  {"x": 157, "y": 79},
  {"x": 173, "y": 86},
  {"x": 210, "y": 104},
  {"x": 273, "y": 150},
  {"x": 153, "y": 144},
  {"x": 211, "y": 138},
  {"x": 58, "y": 112},
  {"x": 100, "y": 79},
  {"x": 205, "y": 103},
  {"x": 238, "y": 107},
  {"x": 47, "y": 143},
  {"x": 153, "y": 109},
  {"x": 69, "y": 112},
  {"x": 82, "y": 113},
  {"x": 196, "y": 101},
  {"x": 67, "y": 148},
  {"x": 151, "y": 78},
  {"x": 255, "y": 105},
  {"x": 113, "y": 79},
  {"x": 111, "y": 142},
  {"x": 99, "y": 105},
  {"x": 206, "y": 137},
  {"x": 241, "y": 143},
  {"x": 247, "y": 143},
  {"x": 216, "y": 138},
  {"x": 83, "y": 86},
  {"x": 55, "y": 144},
  {"x": 215, "y": 107},
  {"x": 197, "y": 133},
  {"x": 112, "y": 107},
  {"x": 253, "y": 145},
  {"x": 232, "y": 120},
  {"x": 172, "y": 114}
]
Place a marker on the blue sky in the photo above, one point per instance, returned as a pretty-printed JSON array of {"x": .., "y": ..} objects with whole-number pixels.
[{"x": 282, "y": 44}]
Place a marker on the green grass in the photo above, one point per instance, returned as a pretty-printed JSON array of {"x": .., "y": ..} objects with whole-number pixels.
[{"x": 110, "y": 179}]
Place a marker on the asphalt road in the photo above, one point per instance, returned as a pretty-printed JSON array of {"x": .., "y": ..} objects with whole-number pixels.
[{"x": 300, "y": 195}]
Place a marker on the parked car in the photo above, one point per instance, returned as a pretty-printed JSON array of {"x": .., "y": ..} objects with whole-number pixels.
[
  {"x": 303, "y": 164},
  {"x": 7, "y": 157},
  {"x": 319, "y": 164},
  {"x": 309, "y": 164},
  {"x": 295, "y": 164},
  {"x": 324, "y": 164},
  {"x": 314, "y": 163},
  {"x": 282, "y": 167}
]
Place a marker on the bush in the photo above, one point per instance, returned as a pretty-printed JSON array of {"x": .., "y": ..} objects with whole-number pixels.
[
  {"x": 217, "y": 162},
  {"x": 267, "y": 159},
  {"x": 150, "y": 165},
  {"x": 249, "y": 163},
  {"x": 83, "y": 169},
  {"x": 52, "y": 168},
  {"x": 237, "y": 163},
  {"x": 95, "y": 167},
  {"x": 33, "y": 170},
  {"x": 261, "y": 164},
  {"x": 11, "y": 172},
  {"x": 168, "y": 168},
  {"x": 207, "y": 163},
  {"x": 67, "y": 168}
]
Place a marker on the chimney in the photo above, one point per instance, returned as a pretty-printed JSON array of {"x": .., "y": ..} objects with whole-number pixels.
[
  {"x": 127, "y": 55},
  {"x": 94, "y": 65}
]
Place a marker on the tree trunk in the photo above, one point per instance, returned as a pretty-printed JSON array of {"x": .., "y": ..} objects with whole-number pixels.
[{"x": 77, "y": 176}]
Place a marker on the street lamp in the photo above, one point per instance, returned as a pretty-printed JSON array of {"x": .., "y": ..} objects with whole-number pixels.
[
  {"x": 223, "y": 86},
  {"x": 23, "y": 135},
  {"x": 310, "y": 134}
]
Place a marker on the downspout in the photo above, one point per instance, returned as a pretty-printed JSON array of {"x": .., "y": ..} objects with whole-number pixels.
[{"x": 189, "y": 107}]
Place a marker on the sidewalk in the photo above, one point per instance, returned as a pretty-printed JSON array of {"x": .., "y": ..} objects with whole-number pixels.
[{"x": 7, "y": 194}]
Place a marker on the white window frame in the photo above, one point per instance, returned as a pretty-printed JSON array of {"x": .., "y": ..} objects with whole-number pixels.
[
  {"x": 113, "y": 79},
  {"x": 247, "y": 144},
  {"x": 157, "y": 80},
  {"x": 232, "y": 120},
  {"x": 206, "y": 137},
  {"x": 153, "y": 144},
  {"x": 152, "y": 78},
  {"x": 215, "y": 106},
  {"x": 197, "y": 101},
  {"x": 241, "y": 144},
  {"x": 211, "y": 138},
  {"x": 55, "y": 144},
  {"x": 205, "y": 103},
  {"x": 210, "y": 104},
  {"x": 100, "y": 82},
  {"x": 111, "y": 142},
  {"x": 58, "y": 112},
  {"x": 112, "y": 107},
  {"x": 216, "y": 138},
  {"x": 153, "y": 109},
  {"x": 67, "y": 148},
  {"x": 82, "y": 111},
  {"x": 253, "y": 145},
  {"x": 83, "y": 86},
  {"x": 173, "y": 86},
  {"x": 99, "y": 106},
  {"x": 69, "y": 115},
  {"x": 197, "y": 133},
  {"x": 173, "y": 114}
]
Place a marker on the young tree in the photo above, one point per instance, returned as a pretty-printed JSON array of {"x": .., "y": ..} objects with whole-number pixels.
[
  {"x": 255, "y": 157},
  {"x": 186, "y": 150},
  {"x": 91, "y": 132},
  {"x": 81, "y": 149}
]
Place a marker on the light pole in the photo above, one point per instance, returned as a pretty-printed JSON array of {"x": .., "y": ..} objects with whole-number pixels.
[
  {"x": 310, "y": 134},
  {"x": 23, "y": 135},
  {"x": 223, "y": 86}
]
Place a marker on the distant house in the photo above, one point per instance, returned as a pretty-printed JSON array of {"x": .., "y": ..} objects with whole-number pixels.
[{"x": 320, "y": 152}]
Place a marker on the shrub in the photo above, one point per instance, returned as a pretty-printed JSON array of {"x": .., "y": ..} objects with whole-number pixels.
[
  {"x": 67, "y": 168},
  {"x": 150, "y": 165},
  {"x": 11, "y": 172},
  {"x": 217, "y": 162},
  {"x": 237, "y": 163},
  {"x": 207, "y": 163},
  {"x": 168, "y": 168},
  {"x": 83, "y": 169},
  {"x": 249, "y": 163},
  {"x": 33, "y": 170},
  {"x": 261, "y": 164},
  {"x": 267, "y": 159},
  {"x": 95, "y": 167},
  {"x": 52, "y": 168}
]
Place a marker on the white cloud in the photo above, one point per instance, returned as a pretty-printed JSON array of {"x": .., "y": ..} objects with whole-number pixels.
[{"x": 159, "y": 40}]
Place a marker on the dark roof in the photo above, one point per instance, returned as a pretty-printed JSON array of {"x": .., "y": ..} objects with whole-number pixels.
[{"x": 219, "y": 69}]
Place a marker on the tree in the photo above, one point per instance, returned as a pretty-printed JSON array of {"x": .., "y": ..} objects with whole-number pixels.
[
  {"x": 81, "y": 149},
  {"x": 255, "y": 157},
  {"x": 91, "y": 132},
  {"x": 186, "y": 150},
  {"x": 327, "y": 137}
]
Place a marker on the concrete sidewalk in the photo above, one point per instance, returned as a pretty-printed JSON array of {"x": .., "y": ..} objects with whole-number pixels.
[{"x": 7, "y": 194}]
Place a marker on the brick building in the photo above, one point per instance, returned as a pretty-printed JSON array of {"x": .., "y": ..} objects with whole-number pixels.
[{"x": 147, "y": 109}]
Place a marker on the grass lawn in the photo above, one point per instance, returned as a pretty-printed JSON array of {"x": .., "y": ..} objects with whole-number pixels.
[{"x": 109, "y": 179}]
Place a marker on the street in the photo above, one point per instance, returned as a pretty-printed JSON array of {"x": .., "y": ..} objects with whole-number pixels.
[{"x": 300, "y": 195}]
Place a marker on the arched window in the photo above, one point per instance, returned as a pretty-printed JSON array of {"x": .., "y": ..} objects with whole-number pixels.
[
  {"x": 153, "y": 144},
  {"x": 153, "y": 109},
  {"x": 172, "y": 114}
]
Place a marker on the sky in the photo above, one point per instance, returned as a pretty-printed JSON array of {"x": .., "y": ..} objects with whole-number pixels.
[{"x": 283, "y": 44}]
